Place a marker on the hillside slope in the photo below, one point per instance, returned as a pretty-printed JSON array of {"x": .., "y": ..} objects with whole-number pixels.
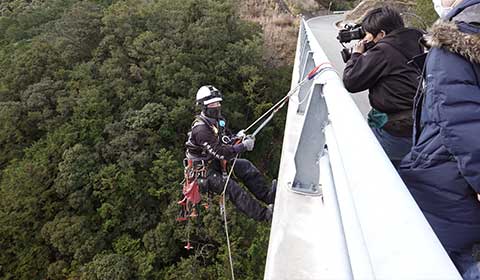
[{"x": 279, "y": 20}]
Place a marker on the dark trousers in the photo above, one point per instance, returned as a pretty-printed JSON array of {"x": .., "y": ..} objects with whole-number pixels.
[
  {"x": 246, "y": 172},
  {"x": 467, "y": 266}
]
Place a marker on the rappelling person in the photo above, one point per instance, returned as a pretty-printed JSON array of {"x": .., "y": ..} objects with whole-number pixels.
[{"x": 210, "y": 150}]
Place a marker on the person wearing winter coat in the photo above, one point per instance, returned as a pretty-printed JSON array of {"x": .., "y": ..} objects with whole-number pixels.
[
  {"x": 380, "y": 63},
  {"x": 210, "y": 146},
  {"x": 442, "y": 171}
]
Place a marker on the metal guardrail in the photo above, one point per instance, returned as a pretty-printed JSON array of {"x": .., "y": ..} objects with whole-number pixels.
[{"x": 342, "y": 211}]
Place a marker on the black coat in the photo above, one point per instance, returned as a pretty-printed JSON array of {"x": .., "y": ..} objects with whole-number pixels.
[
  {"x": 205, "y": 140},
  {"x": 384, "y": 70}
]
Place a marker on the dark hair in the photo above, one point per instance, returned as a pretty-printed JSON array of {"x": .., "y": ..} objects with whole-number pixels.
[{"x": 385, "y": 18}]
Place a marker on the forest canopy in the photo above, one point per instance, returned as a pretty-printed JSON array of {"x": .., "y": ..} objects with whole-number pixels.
[{"x": 96, "y": 98}]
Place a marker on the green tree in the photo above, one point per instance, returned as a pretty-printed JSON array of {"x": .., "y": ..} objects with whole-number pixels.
[
  {"x": 424, "y": 9},
  {"x": 95, "y": 103}
]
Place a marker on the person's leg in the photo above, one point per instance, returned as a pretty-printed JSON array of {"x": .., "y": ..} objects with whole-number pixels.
[
  {"x": 466, "y": 264},
  {"x": 242, "y": 200},
  {"x": 254, "y": 180},
  {"x": 246, "y": 203},
  {"x": 473, "y": 272},
  {"x": 395, "y": 147}
]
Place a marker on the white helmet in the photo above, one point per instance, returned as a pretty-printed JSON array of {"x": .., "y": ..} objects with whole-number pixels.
[{"x": 207, "y": 95}]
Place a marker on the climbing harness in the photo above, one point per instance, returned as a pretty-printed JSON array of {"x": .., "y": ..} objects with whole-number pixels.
[
  {"x": 191, "y": 189},
  {"x": 191, "y": 194}
]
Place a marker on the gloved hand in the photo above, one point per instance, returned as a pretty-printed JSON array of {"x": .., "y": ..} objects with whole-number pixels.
[
  {"x": 237, "y": 138},
  {"x": 241, "y": 134},
  {"x": 249, "y": 142}
]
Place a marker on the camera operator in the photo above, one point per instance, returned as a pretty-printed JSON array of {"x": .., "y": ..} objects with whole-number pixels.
[{"x": 379, "y": 63}]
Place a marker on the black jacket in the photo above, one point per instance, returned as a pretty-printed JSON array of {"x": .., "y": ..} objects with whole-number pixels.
[
  {"x": 205, "y": 141},
  {"x": 385, "y": 72}
]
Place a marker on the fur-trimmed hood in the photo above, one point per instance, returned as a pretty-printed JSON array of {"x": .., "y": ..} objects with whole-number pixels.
[{"x": 445, "y": 34}]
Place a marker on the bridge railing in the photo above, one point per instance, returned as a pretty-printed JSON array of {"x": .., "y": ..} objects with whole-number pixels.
[{"x": 342, "y": 211}]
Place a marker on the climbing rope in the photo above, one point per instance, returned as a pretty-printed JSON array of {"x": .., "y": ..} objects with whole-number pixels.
[
  {"x": 223, "y": 209},
  {"x": 272, "y": 110},
  {"x": 284, "y": 99},
  {"x": 300, "y": 102},
  {"x": 281, "y": 102}
]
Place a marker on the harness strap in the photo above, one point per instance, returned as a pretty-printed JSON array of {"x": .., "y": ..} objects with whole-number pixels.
[{"x": 199, "y": 120}]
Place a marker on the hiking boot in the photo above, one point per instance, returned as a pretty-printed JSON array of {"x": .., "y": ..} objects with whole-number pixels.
[
  {"x": 274, "y": 186},
  {"x": 271, "y": 194},
  {"x": 269, "y": 213}
]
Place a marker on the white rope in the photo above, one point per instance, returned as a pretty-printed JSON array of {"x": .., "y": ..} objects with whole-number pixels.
[
  {"x": 279, "y": 103},
  {"x": 300, "y": 102},
  {"x": 225, "y": 217},
  {"x": 288, "y": 95},
  {"x": 292, "y": 91}
]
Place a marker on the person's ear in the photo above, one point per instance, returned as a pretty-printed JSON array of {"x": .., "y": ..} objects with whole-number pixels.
[{"x": 380, "y": 36}]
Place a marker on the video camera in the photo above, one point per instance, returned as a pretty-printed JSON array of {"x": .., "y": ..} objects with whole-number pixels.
[
  {"x": 351, "y": 32},
  {"x": 348, "y": 33}
]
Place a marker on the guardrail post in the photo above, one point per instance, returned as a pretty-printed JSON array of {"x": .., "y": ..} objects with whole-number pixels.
[{"x": 311, "y": 144}]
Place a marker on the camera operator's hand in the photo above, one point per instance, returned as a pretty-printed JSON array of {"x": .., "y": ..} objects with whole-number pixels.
[{"x": 359, "y": 47}]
